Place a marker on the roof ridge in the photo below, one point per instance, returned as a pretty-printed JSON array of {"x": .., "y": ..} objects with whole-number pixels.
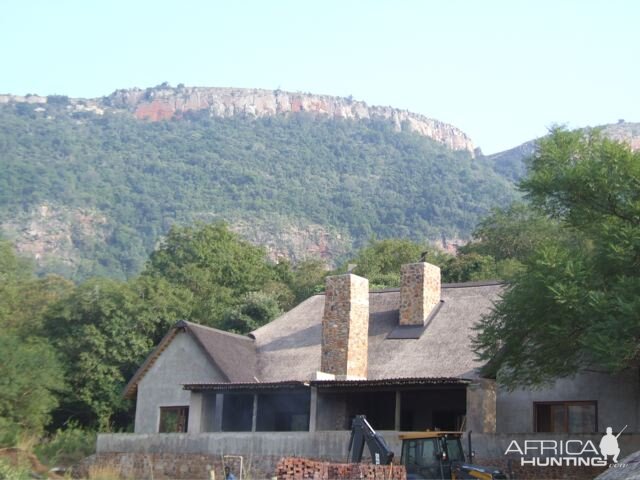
[
  {"x": 217, "y": 330},
  {"x": 470, "y": 284}
]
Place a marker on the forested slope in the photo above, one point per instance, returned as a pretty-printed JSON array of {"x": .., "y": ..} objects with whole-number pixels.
[{"x": 91, "y": 194}]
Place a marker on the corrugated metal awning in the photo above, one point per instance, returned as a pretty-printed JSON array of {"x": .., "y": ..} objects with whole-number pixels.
[
  {"x": 392, "y": 382},
  {"x": 341, "y": 384},
  {"x": 219, "y": 387}
]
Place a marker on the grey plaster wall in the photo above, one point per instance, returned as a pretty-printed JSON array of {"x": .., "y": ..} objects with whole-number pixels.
[
  {"x": 183, "y": 361},
  {"x": 617, "y": 397}
]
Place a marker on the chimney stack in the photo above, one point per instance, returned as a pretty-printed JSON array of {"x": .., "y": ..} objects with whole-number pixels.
[
  {"x": 345, "y": 327},
  {"x": 419, "y": 292}
]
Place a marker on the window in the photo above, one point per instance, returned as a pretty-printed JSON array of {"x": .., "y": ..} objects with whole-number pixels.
[
  {"x": 173, "y": 419},
  {"x": 566, "y": 417}
]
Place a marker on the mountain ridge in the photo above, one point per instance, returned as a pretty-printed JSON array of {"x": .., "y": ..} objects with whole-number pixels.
[
  {"x": 164, "y": 102},
  {"x": 88, "y": 187}
]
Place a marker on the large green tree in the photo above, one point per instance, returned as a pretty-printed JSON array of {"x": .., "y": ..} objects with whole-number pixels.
[
  {"x": 380, "y": 260},
  {"x": 219, "y": 269},
  {"x": 576, "y": 305},
  {"x": 513, "y": 233},
  {"x": 31, "y": 375},
  {"x": 104, "y": 329}
]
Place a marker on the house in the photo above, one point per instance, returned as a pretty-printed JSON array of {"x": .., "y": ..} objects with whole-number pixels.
[{"x": 400, "y": 356}]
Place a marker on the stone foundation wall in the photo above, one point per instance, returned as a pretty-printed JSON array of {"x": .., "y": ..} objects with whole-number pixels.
[
  {"x": 540, "y": 473},
  {"x": 147, "y": 456},
  {"x": 164, "y": 466},
  {"x": 175, "y": 466}
]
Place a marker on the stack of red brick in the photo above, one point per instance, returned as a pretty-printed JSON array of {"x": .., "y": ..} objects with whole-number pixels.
[{"x": 301, "y": 469}]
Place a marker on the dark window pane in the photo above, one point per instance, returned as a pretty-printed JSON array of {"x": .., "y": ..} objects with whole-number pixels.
[
  {"x": 582, "y": 418},
  {"x": 543, "y": 418},
  {"x": 565, "y": 417},
  {"x": 237, "y": 412},
  {"x": 558, "y": 418}
]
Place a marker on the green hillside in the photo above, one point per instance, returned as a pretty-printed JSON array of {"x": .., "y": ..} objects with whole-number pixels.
[{"x": 92, "y": 194}]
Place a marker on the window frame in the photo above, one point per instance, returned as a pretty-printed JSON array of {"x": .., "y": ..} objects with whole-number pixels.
[
  {"x": 566, "y": 404},
  {"x": 178, "y": 408}
]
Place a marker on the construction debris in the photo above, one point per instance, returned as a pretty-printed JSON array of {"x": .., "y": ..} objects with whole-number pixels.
[{"x": 291, "y": 468}]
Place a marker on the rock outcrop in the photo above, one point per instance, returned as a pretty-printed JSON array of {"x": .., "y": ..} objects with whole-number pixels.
[{"x": 164, "y": 102}]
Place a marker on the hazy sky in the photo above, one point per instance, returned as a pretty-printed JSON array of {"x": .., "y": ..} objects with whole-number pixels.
[{"x": 502, "y": 71}]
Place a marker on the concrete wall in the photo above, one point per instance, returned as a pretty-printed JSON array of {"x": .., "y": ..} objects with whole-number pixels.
[
  {"x": 183, "y": 361},
  {"x": 319, "y": 445},
  {"x": 617, "y": 397}
]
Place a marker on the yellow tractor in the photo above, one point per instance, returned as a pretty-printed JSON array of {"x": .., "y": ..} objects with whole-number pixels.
[
  {"x": 425, "y": 455},
  {"x": 439, "y": 454}
]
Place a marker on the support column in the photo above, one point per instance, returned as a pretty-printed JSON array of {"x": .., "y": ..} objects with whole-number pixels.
[
  {"x": 254, "y": 416},
  {"x": 481, "y": 406},
  {"x": 208, "y": 412},
  {"x": 195, "y": 413},
  {"x": 313, "y": 409},
  {"x": 217, "y": 414},
  {"x": 398, "y": 410}
]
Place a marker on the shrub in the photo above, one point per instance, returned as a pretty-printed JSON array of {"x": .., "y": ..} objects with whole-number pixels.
[
  {"x": 9, "y": 472},
  {"x": 67, "y": 447}
]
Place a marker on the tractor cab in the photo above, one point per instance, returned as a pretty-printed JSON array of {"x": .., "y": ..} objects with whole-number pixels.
[
  {"x": 431, "y": 454},
  {"x": 439, "y": 455}
]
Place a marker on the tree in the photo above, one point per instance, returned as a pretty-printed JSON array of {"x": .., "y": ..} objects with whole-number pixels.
[
  {"x": 577, "y": 303},
  {"x": 512, "y": 233},
  {"x": 256, "y": 309},
  {"x": 380, "y": 261},
  {"x": 30, "y": 377},
  {"x": 104, "y": 330},
  {"x": 308, "y": 278},
  {"x": 469, "y": 267},
  {"x": 216, "y": 266}
]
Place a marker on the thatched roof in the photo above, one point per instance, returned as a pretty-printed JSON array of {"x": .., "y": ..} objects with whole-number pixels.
[
  {"x": 288, "y": 348},
  {"x": 234, "y": 355}
]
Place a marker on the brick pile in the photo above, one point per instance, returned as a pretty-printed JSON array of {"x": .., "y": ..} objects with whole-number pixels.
[{"x": 291, "y": 468}]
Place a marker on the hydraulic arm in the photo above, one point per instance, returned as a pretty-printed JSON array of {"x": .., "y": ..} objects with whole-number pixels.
[{"x": 361, "y": 433}]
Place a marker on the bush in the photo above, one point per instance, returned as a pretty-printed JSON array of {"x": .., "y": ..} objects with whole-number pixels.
[
  {"x": 9, "y": 472},
  {"x": 67, "y": 447},
  {"x": 9, "y": 433}
]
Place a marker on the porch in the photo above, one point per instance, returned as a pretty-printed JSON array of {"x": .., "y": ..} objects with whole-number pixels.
[{"x": 329, "y": 405}]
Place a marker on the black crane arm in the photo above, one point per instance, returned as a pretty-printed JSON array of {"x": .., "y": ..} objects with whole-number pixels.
[{"x": 361, "y": 433}]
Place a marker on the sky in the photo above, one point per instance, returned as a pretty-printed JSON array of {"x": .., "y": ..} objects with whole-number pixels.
[{"x": 502, "y": 71}]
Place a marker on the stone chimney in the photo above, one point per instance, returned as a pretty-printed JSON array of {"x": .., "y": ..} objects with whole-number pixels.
[
  {"x": 345, "y": 328},
  {"x": 419, "y": 292}
]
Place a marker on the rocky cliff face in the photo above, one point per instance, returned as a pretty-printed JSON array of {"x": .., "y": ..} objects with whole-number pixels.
[
  {"x": 624, "y": 132},
  {"x": 164, "y": 102}
]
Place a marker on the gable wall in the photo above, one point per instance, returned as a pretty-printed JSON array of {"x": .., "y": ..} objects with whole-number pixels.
[
  {"x": 183, "y": 361},
  {"x": 617, "y": 397}
]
